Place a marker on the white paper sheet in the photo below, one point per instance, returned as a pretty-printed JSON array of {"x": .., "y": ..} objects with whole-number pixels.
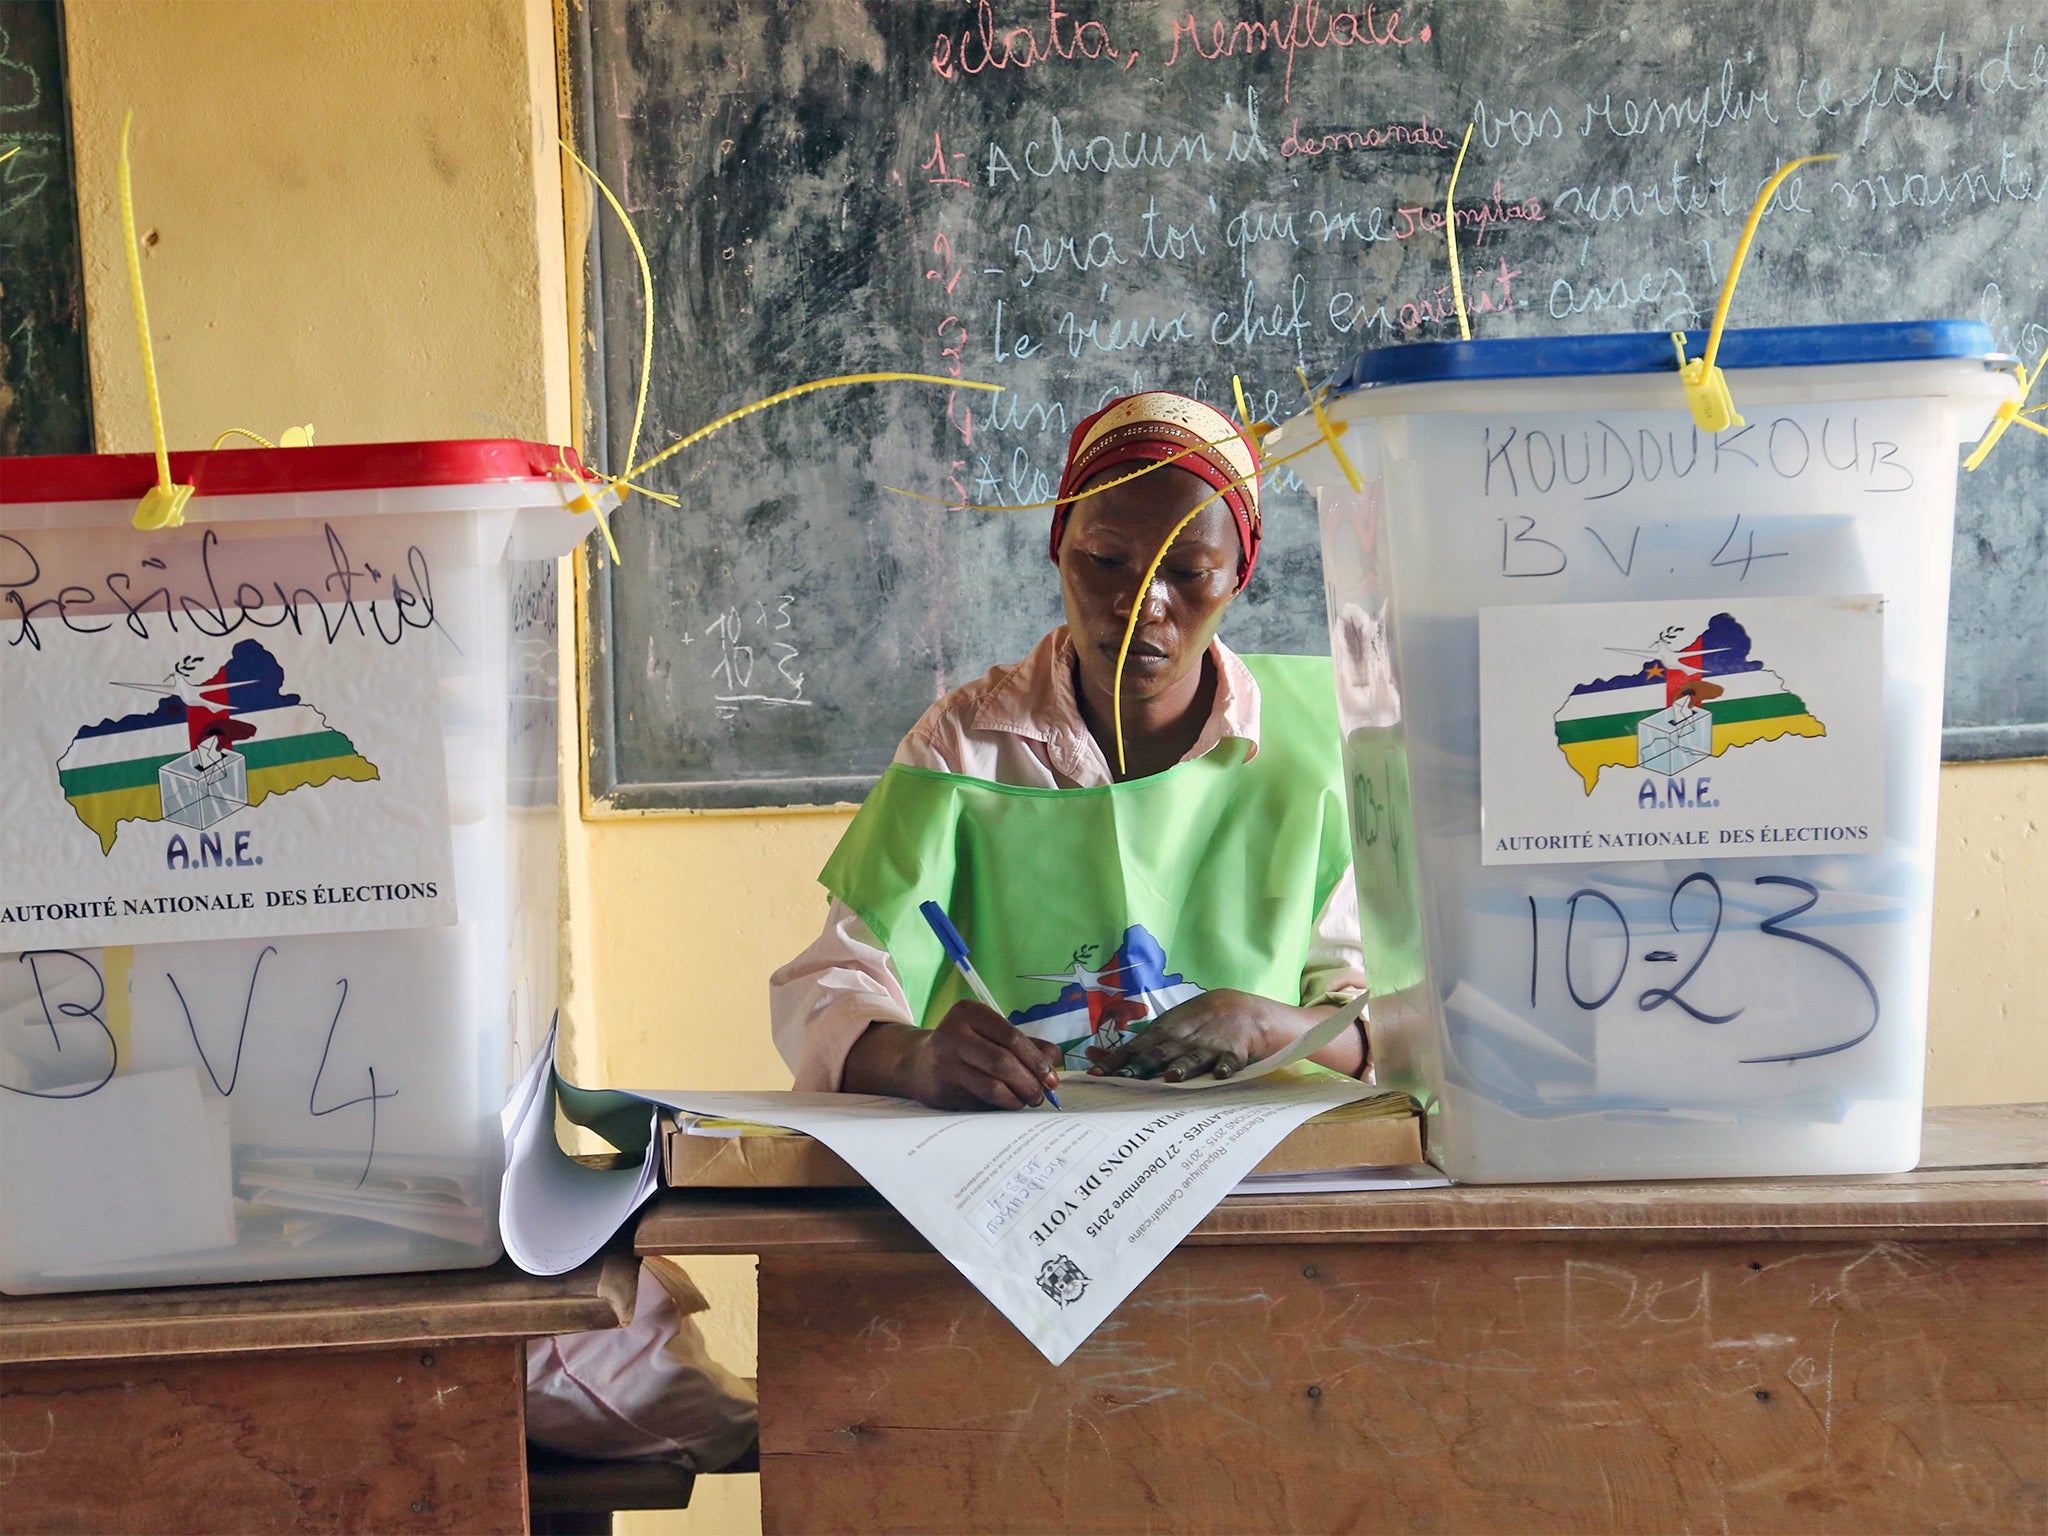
[
  {"x": 554, "y": 1212},
  {"x": 1330, "y": 1181},
  {"x": 181, "y": 787},
  {"x": 1054, "y": 1215}
]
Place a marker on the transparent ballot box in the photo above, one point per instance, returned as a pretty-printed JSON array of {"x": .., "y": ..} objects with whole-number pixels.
[
  {"x": 279, "y": 855},
  {"x": 1642, "y": 729}
]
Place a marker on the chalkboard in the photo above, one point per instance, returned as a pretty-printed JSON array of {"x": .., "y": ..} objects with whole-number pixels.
[
  {"x": 1077, "y": 197},
  {"x": 45, "y": 403}
]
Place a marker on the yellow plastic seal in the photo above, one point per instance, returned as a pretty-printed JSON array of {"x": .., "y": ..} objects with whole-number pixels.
[
  {"x": 2014, "y": 413},
  {"x": 1706, "y": 387},
  {"x": 1330, "y": 431},
  {"x": 1706, "y": 391},
  {"x": 163, "y": 505},
  {"x": 1451, "y": 239}
]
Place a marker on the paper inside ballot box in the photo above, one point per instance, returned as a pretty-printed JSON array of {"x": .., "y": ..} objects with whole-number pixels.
[{"x": 1380, "y": 1132}]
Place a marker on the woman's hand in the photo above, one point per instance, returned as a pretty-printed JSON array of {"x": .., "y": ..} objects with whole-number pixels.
[
  {"x": 975, "y": 1058},
  {"x": 1220, "y": 1032}
]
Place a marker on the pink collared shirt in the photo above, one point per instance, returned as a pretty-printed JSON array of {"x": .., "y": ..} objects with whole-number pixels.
[{"x": 1019, "y": 725}]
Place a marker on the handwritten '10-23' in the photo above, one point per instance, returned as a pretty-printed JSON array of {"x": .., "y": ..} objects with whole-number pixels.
[{"x": 1653, "y": 998}]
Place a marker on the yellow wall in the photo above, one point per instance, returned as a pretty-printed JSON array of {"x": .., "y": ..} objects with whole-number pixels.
[
  {"x": 344, "y": 211},
  {"x": 357, "y": 225},
  {"x": 1987, "y": 1015}
]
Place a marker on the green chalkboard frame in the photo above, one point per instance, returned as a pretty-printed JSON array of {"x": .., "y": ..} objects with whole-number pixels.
[{"x": 45, "y": 385}]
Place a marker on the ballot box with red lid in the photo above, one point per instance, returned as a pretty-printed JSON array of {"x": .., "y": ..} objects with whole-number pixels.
[{"x": 279, "y": 852}]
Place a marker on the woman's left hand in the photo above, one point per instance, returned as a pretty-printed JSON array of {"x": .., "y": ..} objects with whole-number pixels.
[{"x": 1219, "y": 1032}]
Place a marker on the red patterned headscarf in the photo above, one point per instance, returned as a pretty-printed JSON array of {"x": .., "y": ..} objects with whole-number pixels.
[{"x": 1160, "y": 425}]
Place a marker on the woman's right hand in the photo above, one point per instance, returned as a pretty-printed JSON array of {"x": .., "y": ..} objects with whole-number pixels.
[{"x": 974, "y": 1059}]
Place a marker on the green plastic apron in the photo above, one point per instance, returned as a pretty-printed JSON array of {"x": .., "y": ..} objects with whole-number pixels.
[{"x": 1090, "y": 912}]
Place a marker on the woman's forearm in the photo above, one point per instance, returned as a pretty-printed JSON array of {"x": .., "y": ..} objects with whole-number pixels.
[
  {"x": 1283, "y": 1023},
  {"x": 1346, "y": 1053},
  {"x": 883, "y": 1060}
]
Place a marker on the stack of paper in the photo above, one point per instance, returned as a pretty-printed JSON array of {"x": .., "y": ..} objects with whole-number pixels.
[
  {"x": 1330, "y": 1181},
  {"x": 434, "y": 1196}
]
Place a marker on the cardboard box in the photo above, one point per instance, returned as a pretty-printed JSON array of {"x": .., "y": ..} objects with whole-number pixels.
[{"x": 1375, "y": 1133}]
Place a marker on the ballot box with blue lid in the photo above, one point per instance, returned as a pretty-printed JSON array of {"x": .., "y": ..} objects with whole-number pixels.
[
  {"x": 279, "y": 854},
  {"x": 1642, "y": 730}
]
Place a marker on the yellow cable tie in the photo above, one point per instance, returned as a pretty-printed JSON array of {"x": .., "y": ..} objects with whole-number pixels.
[
  {"x": 1258, "y": 429},
  {"x": 10, "y": 154},
  {"x": 2006, "y": 415},
  {"x": 583, "y": 501},
  {"x": 835, "y": 382},
  {"x": 1706, "y": 387},
  {"x": 1706, "y": 391},
  {"x": 2011, "y": 411},
  {"x": 623, "y": 486},
  {"x": 1330, "y": 431},
  {"x": 163, "y": 505},
  {"x": 619, "y": 484},
  {"x": 646, "y": 301},
  {"x": 1451, "y": 235},
  {"x": 291, "y": 437},
  {"x": 1123, "y": 651}
]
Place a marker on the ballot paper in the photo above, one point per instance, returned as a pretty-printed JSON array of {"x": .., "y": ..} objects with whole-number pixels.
[
  {"x": 434, "y": 1196},
  {"x": 1054, "y": 1215},
  {"x": 1332, "y": 1181}
]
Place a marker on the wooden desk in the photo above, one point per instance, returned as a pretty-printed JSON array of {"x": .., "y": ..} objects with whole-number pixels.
[
  {"x": 1848, "y": 1355},
  {"x": 375, "y": 1403}
]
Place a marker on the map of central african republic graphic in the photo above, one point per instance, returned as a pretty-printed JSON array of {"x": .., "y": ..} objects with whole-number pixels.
[
  {"x": 112, "y": 772},
  {"x": 1712, "y": 674}
]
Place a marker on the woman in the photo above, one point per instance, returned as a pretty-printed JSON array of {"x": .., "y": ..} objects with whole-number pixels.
[
  {"x": 1218, "y": 847},
  {"x": 1195, "y": 872}
]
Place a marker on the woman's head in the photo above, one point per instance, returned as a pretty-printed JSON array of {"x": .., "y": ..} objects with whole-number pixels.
[
  {"x": 1109, "y": 541},
  {"x": 1159, "y": 426},
  {"x": 1103, "y": 542}
]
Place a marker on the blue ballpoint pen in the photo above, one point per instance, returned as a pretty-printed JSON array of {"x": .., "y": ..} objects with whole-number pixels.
[{"x": 956, "y": 951}]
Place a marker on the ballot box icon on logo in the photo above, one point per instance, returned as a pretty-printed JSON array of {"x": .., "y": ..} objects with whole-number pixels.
[
  {"x": 1061, "y": 1279},
  {"x": 1673, "y": 739},
  {"x": 205, "y": 786}
]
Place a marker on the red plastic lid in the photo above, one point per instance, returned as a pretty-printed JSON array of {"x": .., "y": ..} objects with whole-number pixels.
[{"x": 282, "y": 471}]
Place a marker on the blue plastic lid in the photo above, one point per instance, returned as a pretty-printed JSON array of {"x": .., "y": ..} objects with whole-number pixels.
[{"x": 1783, "y": 346}]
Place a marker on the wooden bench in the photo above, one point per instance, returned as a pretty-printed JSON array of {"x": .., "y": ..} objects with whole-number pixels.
[{"x": 387, "y": 1403}]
